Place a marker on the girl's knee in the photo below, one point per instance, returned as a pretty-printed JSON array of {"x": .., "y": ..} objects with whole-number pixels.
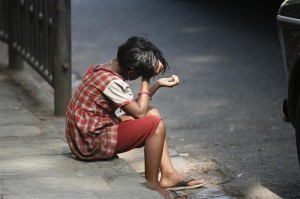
[
  {"x": 152, "y": 111},
  {"x": 161, "y": 130},
  {"x": 155, "y": 119},
  {"x": 158, "y": 127},
  {"x": 158, "y": 122}
]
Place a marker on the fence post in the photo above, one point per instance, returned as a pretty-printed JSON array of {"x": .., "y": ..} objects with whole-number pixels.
[
  {"x": 62, "y": 56},
  {"x": 15, "y": 62}
]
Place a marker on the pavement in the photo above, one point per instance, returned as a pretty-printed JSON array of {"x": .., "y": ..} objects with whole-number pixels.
[
  {"x": 36, "y": 163},
  {"x": 35, "y": 160}
]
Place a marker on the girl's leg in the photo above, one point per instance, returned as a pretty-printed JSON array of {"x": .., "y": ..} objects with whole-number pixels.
[
  {"x": 169, "y": 175},
  {"x": 153, "y": 138},
  {"x": 153, "y": 155}
]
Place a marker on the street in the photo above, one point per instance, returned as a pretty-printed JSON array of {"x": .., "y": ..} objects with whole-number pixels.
[{"x": 227, "y": 107}]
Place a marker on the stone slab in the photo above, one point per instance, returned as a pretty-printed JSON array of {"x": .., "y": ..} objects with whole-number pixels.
[
  {"x": 19, "y": 130},
  {"x": 115, "y": 194},
  {"x": 21, "y": 167},
  {"x": 132, "y": 193},
  {"x": 7, "y": 90},
  {"x": 17, "y": 117},
  {"x": 126, "y": 182},
  {"x": 10, "y": 103},
  {"x": 49, "y": 185},
  {"x": 21, "y": 147},
  {"x": 65, "y": 195}
]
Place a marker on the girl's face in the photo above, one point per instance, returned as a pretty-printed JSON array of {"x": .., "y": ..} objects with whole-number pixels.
[{"x": 158, "y": 68}]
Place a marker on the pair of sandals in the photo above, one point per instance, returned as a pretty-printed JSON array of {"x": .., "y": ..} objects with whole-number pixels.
[{"x": 182, "y": 185}]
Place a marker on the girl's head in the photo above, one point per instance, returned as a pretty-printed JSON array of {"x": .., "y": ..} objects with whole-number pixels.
[{"x": 141, "y": 56}]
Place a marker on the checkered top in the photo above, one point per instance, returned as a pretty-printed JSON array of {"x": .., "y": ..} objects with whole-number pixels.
[{"x": 91, "y": 123}]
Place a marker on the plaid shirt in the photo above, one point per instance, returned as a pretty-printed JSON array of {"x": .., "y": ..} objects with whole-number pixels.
[{"x": 91, "y": 123}]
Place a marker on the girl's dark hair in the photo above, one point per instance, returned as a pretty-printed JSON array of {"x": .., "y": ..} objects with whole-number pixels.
[{"x": 140, "y": 55}]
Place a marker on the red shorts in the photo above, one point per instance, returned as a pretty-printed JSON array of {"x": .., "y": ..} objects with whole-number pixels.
[{"x": 134, "y": 133}]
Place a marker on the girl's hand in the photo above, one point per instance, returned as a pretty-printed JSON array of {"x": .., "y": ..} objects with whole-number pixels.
[{"x": 168, "y": 82}]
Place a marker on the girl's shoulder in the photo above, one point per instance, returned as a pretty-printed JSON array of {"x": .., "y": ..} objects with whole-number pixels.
[
  {"x": 103, "y": 68},
  {"x": 98, "y": 67},
  {"x": 101, "y": 73}
]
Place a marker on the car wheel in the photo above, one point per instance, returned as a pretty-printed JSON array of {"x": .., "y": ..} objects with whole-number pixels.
[{"x": 297, "y": 127}]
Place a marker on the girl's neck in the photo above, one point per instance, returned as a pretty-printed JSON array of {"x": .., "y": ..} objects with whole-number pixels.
[{"x": 114, "y": 66}]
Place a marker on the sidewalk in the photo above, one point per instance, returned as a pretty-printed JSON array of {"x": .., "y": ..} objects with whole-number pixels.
[{"x": 36, "y": 163}]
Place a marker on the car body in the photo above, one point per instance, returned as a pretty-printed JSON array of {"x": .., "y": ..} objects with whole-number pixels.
[{"x": 288, "y": 23}]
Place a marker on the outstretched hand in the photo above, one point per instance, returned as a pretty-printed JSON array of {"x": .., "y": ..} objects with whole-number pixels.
[{"x": 169, "y": 81}]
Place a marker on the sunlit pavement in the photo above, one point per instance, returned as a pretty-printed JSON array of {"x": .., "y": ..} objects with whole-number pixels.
[
  {"x": 206, "y": 169},
  {"x": 225, "y": 114},
  {"x": 226, "y": 109}
]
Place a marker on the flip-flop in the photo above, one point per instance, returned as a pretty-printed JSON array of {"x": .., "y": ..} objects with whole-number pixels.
[{"x": 183, "y": 184}]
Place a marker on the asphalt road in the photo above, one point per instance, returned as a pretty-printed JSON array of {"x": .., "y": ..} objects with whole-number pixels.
[{"x": 228, "y": 104}]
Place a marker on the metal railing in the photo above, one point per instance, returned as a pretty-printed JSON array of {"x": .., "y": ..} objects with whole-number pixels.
[{"x": 39, "y": 32}]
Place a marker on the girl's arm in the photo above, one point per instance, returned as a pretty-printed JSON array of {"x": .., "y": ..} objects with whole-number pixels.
[
  {"x": 138, "y": 108},
  {"x": 164, "y": 82}
]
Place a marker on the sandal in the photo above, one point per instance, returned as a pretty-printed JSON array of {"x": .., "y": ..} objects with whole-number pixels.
[{"x": 183, "y": 184}]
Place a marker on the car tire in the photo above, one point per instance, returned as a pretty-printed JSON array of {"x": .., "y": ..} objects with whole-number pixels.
[{"x": 297, "y": 127}]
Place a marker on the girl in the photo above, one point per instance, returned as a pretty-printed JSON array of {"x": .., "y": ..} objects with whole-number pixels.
[{"x": 93, "y": 130}]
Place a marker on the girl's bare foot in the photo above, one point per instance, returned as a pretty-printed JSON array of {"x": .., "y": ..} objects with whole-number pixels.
[{"x": 165, "y": 193}]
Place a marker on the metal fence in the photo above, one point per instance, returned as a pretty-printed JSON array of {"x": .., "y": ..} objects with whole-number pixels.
[{"x": 39, "y": 32}]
